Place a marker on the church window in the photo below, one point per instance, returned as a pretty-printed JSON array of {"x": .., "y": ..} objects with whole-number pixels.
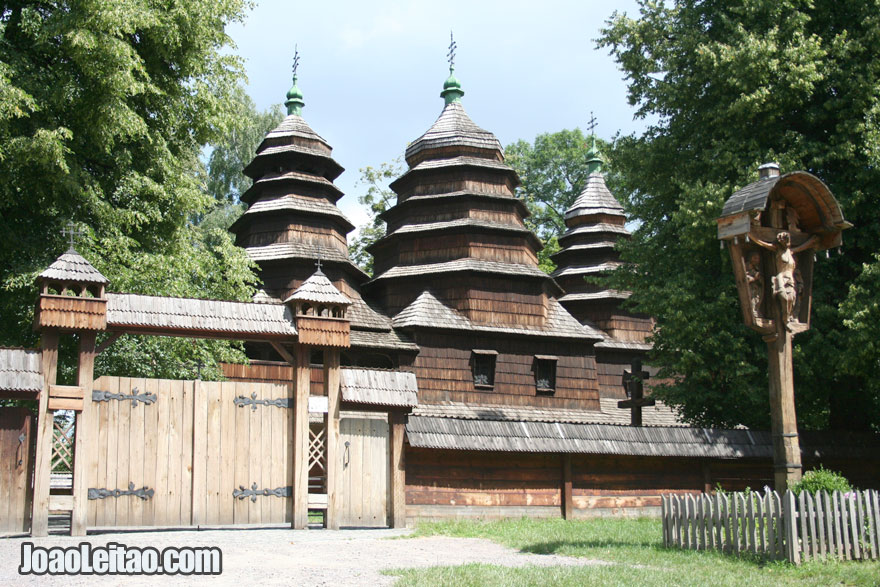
[
  {"x": 483, "y": 363},
  {"x": 545, "y": 374}
]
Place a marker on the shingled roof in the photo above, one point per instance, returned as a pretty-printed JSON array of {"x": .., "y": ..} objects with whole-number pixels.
[
  {"x": 379, "y": 387},
  {"x": 185, "y": 315},
  {"x": 427, "y": 311},
  {"x": 294, "y": 126},
  {"x": 595, "y": 198},
  {"x": 71, "y": 266},
  {"x": 319, "y": 289},
  {"x": 20, "y": 370},
  {"x": 453, "y": 128}
]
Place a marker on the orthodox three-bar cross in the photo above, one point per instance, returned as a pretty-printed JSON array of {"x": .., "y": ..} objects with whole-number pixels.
[
  {"x": 73, "y": 232},
  {"x": 633, "y": 384}
]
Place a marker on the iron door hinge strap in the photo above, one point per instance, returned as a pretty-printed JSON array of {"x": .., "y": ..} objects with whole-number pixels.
[
  {"x": 143, "y": 493},
  {"x": 134, "y": 397},
  {"x": 253, "y": 402},
  {"x": 253, "y": 492}
]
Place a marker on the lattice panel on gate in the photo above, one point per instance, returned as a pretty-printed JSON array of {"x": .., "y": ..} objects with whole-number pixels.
[
  {"x": 317, "y": 454},
  {"x": 62, "y": 446}
]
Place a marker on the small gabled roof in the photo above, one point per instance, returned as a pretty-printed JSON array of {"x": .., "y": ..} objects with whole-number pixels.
[
  {"x": 71, "y": 266},
  {"x": 595, "y": 198},
  {"x": 379, "y": 387},
  {"x": 318, "y": 289}
]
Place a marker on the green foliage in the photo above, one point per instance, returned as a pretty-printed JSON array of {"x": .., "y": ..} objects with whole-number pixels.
[
  {"x": 378, "y": 198},
  {"x": 553, "y": 171},
  {"x": 104, "y": 110},
  {"x": 821, "y": 479},
  {"x": 237, "y": 146},
  {"x": 732, "y": 85}
]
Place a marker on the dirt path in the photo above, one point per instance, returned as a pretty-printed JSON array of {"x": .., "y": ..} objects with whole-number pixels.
[{"x": 288, "y": 557}]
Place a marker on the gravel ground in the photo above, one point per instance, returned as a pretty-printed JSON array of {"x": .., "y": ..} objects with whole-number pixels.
[{"x": 280, "y": 556}]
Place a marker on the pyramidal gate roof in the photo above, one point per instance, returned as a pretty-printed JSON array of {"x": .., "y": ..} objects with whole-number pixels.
[
  {"x": 318, "y": 288},
  {"x": 595, "y": 198},
  {"x": 453, "y": 128},
  {"x": 71, "y": 266}
]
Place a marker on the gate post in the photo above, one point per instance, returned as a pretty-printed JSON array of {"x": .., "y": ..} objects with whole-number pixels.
[
  {"x": 331, "y": 427},
  {"x": 85, "y": 381},
  {"x": 302, "y": 373},
  {"x": 45, "y": 417}
]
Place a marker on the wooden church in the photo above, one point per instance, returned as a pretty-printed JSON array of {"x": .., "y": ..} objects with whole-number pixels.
[
  {"x": 519, "y": 374},
  {"x": 459, "y": 380}
]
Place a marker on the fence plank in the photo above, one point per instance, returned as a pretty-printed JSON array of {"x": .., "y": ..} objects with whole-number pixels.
[
  {"x": 843, "y": 522},
  {"x": 735, "y": 515},
  {"x": 759, "y": 514},
  {"x": 791, "y": 534},
  {"x": 811, "y": 512},
  {"x": 833, "y": 546},
  {"x": 855, "y": 523},
  {"x": 677, "y": 505},
  {"x": 875, "y": 520},
  {"x": 719, "y": 529},
  {"x": 701, "y": 523},
  {"x": 802, "y": 519},
  {"x": 728, "y": 540},
  {"x": 820, "y": 525},
  {"x": 750, "y": 516}
]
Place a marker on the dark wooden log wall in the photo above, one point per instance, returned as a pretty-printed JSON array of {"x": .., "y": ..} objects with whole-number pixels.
[
  {"x": 454, "y": 483},
  {"x": 444, "y": 371}
]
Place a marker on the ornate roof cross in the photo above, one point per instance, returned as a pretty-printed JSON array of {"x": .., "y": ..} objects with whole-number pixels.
[
  {"x": 451, "y": 55},
  {"x": 295, "y": 60},
  {"x": 73, "y": 232},
  {"x": 591, "y": 126},
  {"x": 318, "y": 264},
  {"x": 633, "y": 379}
]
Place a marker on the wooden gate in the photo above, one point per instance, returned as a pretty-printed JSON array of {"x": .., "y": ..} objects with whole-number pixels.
[
  {"x": 16, "y": 470},
  {"x": 190, "y": 453},
  {"x": 366, "y": 476}
]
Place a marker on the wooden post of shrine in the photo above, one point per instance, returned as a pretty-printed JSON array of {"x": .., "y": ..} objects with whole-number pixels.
[
  {"x": 773, "y": 228},
  {"x": 633, "y": 384}
]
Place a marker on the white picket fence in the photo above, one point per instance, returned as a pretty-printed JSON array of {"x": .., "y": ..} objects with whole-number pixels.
[{"x": 795, "y": 528}]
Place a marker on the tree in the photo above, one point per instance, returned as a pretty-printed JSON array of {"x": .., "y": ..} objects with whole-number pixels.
[
  {"x": 104, "y": 110},
  {"x": 733, "y": 85},
  {"x": 378, "y": 198},
  {"x": 553, "y": 172}
]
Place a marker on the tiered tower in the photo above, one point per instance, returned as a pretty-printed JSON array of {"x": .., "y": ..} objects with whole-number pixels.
[
  {"x": 595, "y": 222},
  {"x": 292, "y": 220},
  {"x": 459, "y": 269}
]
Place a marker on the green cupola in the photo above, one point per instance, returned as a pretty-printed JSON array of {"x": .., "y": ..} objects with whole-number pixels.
[
  {"x": 452, "y": 91},
  {"x": 294, "y": 100}
]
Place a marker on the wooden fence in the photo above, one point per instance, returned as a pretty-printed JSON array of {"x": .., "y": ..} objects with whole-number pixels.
[{"x": 839, "y": 525}]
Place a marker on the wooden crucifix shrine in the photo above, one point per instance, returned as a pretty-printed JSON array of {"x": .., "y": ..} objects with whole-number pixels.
[
  {"x": 633, "y": 384},
  {"x": 773, "y": 228}
]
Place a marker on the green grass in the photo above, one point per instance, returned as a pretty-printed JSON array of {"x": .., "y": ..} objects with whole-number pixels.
[{"x": 635, "y": 545}]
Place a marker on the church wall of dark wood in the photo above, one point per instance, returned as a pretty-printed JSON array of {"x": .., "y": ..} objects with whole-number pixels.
[{"x": 444, "y": 370}]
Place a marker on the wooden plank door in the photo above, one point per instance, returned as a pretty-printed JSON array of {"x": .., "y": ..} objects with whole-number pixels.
[
  {"x": 141, "y": 454},
  {"x": 242, "y": 448},
  {"x": 16, "y": 463},
  {"x": 365, "y": 469}
]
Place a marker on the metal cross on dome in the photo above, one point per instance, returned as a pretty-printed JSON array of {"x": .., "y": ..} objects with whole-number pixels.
[
  {"x": 591, "y": 126},
  {"x": 318, "y": 263},
  {"x": 295, "y": 59},
  {"x": 73, "y": 232},
  {"x": 451, "y": 55}
]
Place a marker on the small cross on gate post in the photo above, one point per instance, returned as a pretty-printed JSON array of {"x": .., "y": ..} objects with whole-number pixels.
[
  {"x": 73, "y": 232},
  {"x": 633, "y": 379}
]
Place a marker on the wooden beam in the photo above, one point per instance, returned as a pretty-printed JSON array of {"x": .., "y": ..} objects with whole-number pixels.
[
  {"x": 85, "y": 380},
  {"x": 285, "y": 354},
  {"x": 334, "y": 470},
  {"x": 302, "y": 372},
  {"x": 567, "y": 499},
  {"x": 43, "y": 464},
  {"x": 397, "y": 503},
  {"x": 114, "y": 336}
]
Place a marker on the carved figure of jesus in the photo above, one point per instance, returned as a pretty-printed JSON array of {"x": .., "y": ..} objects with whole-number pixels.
[
  {"x": 755, "y": 279},
  {"x": 784, "y": 284}
]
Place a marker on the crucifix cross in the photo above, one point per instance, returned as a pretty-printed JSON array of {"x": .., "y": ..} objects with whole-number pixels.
[
  {"x": 73, "y": 232},
  {"x": 295, "y": 60},
  {"x": 318, "y": 264},
  {"x": 633, "y": 379}
]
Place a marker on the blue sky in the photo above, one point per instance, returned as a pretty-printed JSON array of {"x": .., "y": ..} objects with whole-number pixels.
[{"x": 371, "y": 72}]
